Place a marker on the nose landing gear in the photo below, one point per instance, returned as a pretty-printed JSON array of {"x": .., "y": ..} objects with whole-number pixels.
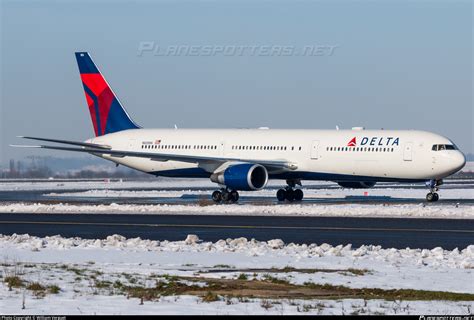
[
  {"x": 289, "y": 193},
  {"x": 432, "y": 196},
  {"x": 225, "y": 195}
]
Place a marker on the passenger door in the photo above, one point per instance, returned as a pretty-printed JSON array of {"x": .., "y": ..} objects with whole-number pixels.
[
  {"x": 408, "y": 151},
  {"x": 222, "y": 148},
  {"x": 314, "y": 149}
]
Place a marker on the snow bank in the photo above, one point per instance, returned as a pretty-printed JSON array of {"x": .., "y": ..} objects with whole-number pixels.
[
  {"x": 344, "y": 210},
  {"x": 460, "y": 259}
]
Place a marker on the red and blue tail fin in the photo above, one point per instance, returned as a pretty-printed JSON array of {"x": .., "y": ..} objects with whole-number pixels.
[{"x": 107, "y": 113}]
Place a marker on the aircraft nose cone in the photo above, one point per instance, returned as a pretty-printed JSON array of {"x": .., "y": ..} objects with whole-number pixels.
[{"x": 458, "y": 160}]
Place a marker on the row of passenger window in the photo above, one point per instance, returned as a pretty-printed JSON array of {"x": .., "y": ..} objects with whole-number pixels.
[
  {"x": 268, "y": 148},
  {"x": 178, "y": 147},
  {"x": 213, "y": 147},
  {"x": 359, "y": 149}
]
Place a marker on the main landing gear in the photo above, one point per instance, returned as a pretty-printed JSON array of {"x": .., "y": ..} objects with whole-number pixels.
[
  {"x": 432, "y": 196},
  {"x": 289, "y": 193},
  {"x": 225, "y": 195}
]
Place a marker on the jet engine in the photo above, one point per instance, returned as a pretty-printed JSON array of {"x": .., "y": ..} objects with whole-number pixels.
[{"x": 242, "y": 176}]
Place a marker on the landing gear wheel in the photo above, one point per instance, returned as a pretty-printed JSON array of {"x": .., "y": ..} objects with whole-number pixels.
[
  {"x": 298, "y": 193},
  {"x": 225, "y": 196},
  {"x": 234, "y": 196},
  {"x": 290, "y": 195},
  {"x": 281, "y": 195},
  {"x": 432, "y": 197},
  {"x": 217, "y": 196}
]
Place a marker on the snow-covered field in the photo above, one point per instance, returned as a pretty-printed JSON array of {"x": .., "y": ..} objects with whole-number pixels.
[
  {"x": 91, "y": 273},
  {"x": 94, "y": 276}
]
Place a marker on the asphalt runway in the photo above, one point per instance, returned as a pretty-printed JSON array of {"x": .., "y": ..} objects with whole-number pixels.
[{"x": 387, "y": 232}]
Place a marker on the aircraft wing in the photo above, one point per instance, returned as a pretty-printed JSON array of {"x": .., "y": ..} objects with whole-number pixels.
[{"x": 107, "y": 150}]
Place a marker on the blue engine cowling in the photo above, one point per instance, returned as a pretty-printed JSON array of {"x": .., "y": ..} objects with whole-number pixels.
[
  {"x": 242, "y": 176},
  {"x": 357, "y": 184}
]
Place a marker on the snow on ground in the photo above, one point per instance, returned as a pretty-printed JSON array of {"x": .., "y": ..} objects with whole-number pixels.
[
  {"x": 70, "y": 304},
  {"x": 47, "y": 260},
  {"x": 309, "y": 193},
  {"x": 340, "y": 210}
]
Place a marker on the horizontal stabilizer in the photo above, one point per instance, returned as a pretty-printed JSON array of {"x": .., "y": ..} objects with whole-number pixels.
[{"x": 74, "y": 143}]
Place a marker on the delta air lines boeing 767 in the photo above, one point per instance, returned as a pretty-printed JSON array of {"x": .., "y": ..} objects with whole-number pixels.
[{"x": 245, "y": 159}]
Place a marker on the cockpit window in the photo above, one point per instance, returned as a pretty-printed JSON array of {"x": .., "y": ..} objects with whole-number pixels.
[{"x": 440, "y": 147}]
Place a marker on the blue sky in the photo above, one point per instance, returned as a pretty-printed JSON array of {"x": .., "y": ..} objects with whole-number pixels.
[{"x": 396, "y": 65}]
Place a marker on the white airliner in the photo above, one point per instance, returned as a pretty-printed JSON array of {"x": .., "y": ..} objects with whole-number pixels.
[{"x": 245, "y": 159}]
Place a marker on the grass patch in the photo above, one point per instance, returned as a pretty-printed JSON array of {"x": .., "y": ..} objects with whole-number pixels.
[
  {"x": 274, "y": 288},
  {"x": 226, "y": 268},
  {"x": 161, "y": 288},
  {"x": 54, "y": 289},
  {"x": 35, "y": 286},
  {"x": 102, "y": 284},
  {"x": 13, "y": 282},
  {"x": 358, "y": 272},
  {"x": 170, "y": 278},
  {"x": 118, "y": 284},
  {"x": 242, "y": 276},
  {"x": 210, "y": 297},
  {"x": 77, "y": 271},
  {"x": 223, "y": 266},
  {"x": 189, "y": 265},
  {"x": 272, "y": 279}
]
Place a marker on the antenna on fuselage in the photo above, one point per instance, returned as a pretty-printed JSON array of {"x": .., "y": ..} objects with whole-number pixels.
[
  {"x": 337, "y": 128},
  {"x": 175, "y": 127}
]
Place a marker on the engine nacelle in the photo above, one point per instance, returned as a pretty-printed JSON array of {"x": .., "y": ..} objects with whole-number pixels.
[
  {"x": 242, "y": 176},
  {"x": 357, "y": 184}
]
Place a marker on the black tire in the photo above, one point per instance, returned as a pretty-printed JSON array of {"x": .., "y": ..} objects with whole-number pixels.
[
  {"x": 290, "y": 195},
  {"x": 234, "y": 196},
  {"x": 226, "y": 196},
  {"x": 299, "y": 194},
  {"x": 217, "y": 196},
  {"x": 435, "y": 197},
  {"x": 430, "y": 197},
  {"x": 281, "y": 195}
]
